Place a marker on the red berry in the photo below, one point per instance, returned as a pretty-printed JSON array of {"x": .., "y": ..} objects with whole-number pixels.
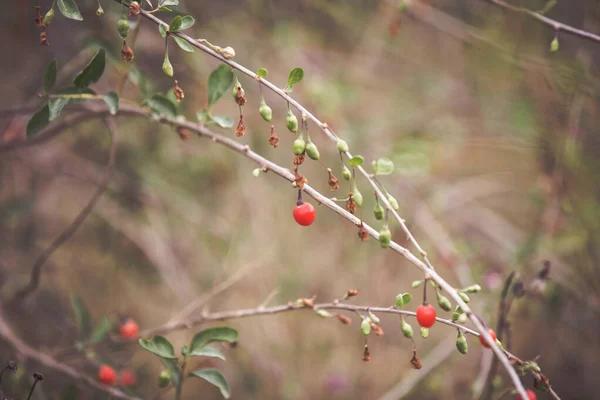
[
  {"x": 482, "y": 340},
  {"x": 129, "y": 329},
  {"x": 530, "y": 396},
  {"x": 305, "y": 214},
  {"x": 426, "y": 315},
  {"x": 107, "y": 375},
  {"x": 127, "y": 378}
]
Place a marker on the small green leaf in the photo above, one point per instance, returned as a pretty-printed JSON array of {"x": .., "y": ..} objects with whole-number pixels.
[
  {"x": 219, "y": 82},
  {"x": 383, "y": 166},
  {"x": 82, "y": 316},
  {"x": 112, "y": 101},
  {"x": 406, "y": 298},
  {"x": 399, "y": 301},
  {"x": 374, "y": 317},
  {"x": 162, "y": 30},
  {"x": 56, "y": 106},
  {"x": 356, "y": 161},
  {"x": 185, "y": 46},
  {"x": 92, "y": 72},
  {"x": 222, "y": 121},
  {"x": 170, "y": 3},
  {"x": 216, "y": 334},
  {"x": 186, "y": 22},
  {"x": 160, "y": 346},
  {"x": 262, "y": 72},
  {"x": 161, "y": 105},
  {"x": 294, "y": 77},
  {"x": 215, "y": 377},
  {"x": 69, "y": 9},
  {"x": 164, "y": 9},
  {"x": 101, "y": 330},
  {"x": 323, "y": 313},
  {"x": 207, "y": 352},
  {"x": 175, "y": 24},
  {"x": 185, "y": 350},
  {"x": 50, "y": 76}
]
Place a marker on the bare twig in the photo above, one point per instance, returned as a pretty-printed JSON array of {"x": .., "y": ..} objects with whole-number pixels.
[
  {"x": 36, "y": 271},
  {"x": 30, "y": 353}
]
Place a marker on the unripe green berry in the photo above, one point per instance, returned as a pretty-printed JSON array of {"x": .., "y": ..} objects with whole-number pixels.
[
  {"x": 357, "y": 196},
  {"x": 424, "y": 332},
  {"x": 291, "y": 121},
  {"x": 164, "y": 379},
  {"x": 472, "y": 289},
  {"x": 464, "y": 297},
  {"x": 378, "y": 211},
  {"x": 100, "y": 11},
  {"x": 461, "y": 343},
  {"x": 444, "y": 303},
  {"x": 385, "y": 236},
  {"x": 393, "y": 202},
  {"x": 312, "y": 151},
  {"x": 167, "y": 67},
  {"x": 346, "y": 174},
  {"x": 554, "y": 45},
  {"x": 342, "y": 146},
  {"x": 365, "y": 326},
  {"x": 407, "y": 330},
  {"x": 265, "y": 111},
  {"x": 299, "y": 146},
  {"x": 123, "y": 27},
  {"x": 323, "y": 313},
  {"x": 416, "y": 284},
  {"x": 49, "y": 17}
]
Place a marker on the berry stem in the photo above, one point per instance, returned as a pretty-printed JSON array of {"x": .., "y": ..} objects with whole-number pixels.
[
  {"x": 424, "y": 285},
  {"x": 299, "y": 202}
]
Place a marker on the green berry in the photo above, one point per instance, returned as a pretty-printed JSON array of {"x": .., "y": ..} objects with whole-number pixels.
[
  {"x": 299, "y": 146},
  {"x": 407, "y": 330},
  {"x": 49, "y": 17},
  {"x": 346, "y": 174},
  {"x": 312, "y": 151},
  {"x": 123, "y": 27},
  {"x": 378, "y": 211},
  {"x": 461, "y": 343},
  {"x": 342, "y": 146},
  {"x": 291, "y": 121},
  {"x": 265, "y": 111},
  {"x": 385, "y": 236}
]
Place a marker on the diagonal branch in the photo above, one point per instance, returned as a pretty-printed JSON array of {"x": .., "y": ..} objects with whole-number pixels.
[{"x": 39, "y": 263}]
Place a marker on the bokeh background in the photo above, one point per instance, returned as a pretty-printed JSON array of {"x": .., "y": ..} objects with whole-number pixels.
[{"x": 496, "y": 147}]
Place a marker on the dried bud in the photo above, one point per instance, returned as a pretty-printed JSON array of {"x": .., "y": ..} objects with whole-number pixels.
[
  {"x": 518, "y": 289},
  {"x": 308, "y": 303},
  {"x": 414, "y": 361},
  {"x": 126, "y": 53},
  {"x": 49, "y": 17},
  {"x": 299, "y": 146},
  {"x": 350, "y": 204},
  {"x": 299, "y": 180},
  {"x": 334, "y": 184},
  {"x": 365, "y": 326},
  {"x": 378, "y": 211},
  {"x": 183, "y": 134},
  {"x": 366, "y": 354},
  {"x": 12, "y": 366},
  {"x": 461, "y": 343},
  {"x": 38, "y": 377},
  {"x": 273, "y": 139},
  {"x": 346, "y": 174},
  {"x": 134, "y": 8},
  {"x": 342, "y": 146},
  {"x": 443, "y": 302},
  {"x": 265, "y": 111},
  {"x": 291, "y": 121},
  {"x": 298, "y": 160},
  {"x": 227, "y": 52},
  {"x": 123, "y": 27},
  {"x": 238, "y": 93},
  {"x": 179, "y": 95},
  {"x": 407, "y": 330},
  {"x": 311, "y": 150},
  {"x": 363, "y": 234},
  {"x": 385, "y": 236},
  {"x": 39, "y": 20},
  {"x": 240, "y": 129},
  {"x": 343, "y": 319},
  {"x": 377, "y": 329},
  {"x": 351, "y": 293},
  {"x": 44, "y": 38}
]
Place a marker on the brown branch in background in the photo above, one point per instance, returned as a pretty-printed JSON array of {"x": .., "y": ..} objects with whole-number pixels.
[
  {"x": 32, "y": 354},
  {"x": 557, "y": 26},
  {"x": 36, "y": 271}
]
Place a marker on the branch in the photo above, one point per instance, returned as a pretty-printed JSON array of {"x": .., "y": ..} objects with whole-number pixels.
[
  {"x": 36, "y": 271},
  {"x": 557, "y": 26},
  {"x": 49, "y": 362}
]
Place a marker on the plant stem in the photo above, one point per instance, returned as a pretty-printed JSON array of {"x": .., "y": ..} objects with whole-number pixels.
[{"x": 181, "y": 378}]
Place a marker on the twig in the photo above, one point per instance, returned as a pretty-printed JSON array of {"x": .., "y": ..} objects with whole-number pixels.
[
  {"x": 30, "y": 353},
  {"x": 557, "y": 26},
  {"x": 36, "y": 271}
]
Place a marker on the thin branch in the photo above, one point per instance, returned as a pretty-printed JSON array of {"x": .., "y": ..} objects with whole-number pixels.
[
  {"x": 30, "y": 353},
  {"x": 557, "y": 26},
  {"x": 39, "y": 263}
]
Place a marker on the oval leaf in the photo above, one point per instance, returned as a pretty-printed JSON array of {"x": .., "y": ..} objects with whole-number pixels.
[
  {"x": 294, "y": 77},
  {"x": 215, "y": 377},
  {"x": 216, "y": 334},
  {"x": 92, "y": 72},
  {"x": 170, "y": 3},
  {"x": 383, "y": 166},
  {"x": 175, "y": 24},
  {"x": 186, "y": 22},
  {"x": 207, "y": 352},
  {"x": 162, "y": 30},
  {"x": 183, "y": 44},
  {"x": 82, "y": 316},
  {"x": 50, "y": 76},
  {"x": 356, "y": 161},
  {"x": 101, "y": 330},
  {"x": 112, "y": 101},
  {"x": 69, "y": 9},
  {"x": 160, "y": 346},
  {"x": 262, "y": 72},
  {"x": 219, "y": 82},
  {"x": 173, "y": 368},
  {"x": 161, "y": 105},
  {"x": 39, "y": 120},
  {"x": 56, "y": 106},
  {"x": 222, "y": 121},
  {"x": 406, "y": 298}
]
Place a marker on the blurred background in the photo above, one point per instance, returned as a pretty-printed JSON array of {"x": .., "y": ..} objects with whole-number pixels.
[{"x": 495, "y": 142}]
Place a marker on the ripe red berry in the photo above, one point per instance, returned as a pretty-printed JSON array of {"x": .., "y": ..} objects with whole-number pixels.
[
  {"x": 129, "y": 329},
  {"x": 530, "y": 396},
  {"x": 127, "y": 378},
  {"x": 426, "y": 315},
  {"x": 482, "y": 340},
  {"x": 107, "y": 375},
  {"x": 304, "y": 214}
]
